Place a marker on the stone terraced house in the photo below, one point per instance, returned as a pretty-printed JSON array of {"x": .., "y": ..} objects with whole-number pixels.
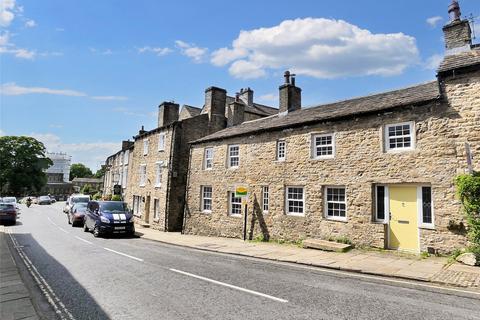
[
  {"x": 377, "y": 170},
  {"x": 116, "y": 170},
  {"x": 159, "y": 158}
]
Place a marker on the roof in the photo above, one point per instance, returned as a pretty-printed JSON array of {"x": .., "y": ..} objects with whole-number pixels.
[
  {"x": 88, "y": 180},
  {"x": 256, "y": 108},
  {"x": 460, "y": 60},
  {"x": 194, "y": 111},
  {"x": 373, "y": 103}
]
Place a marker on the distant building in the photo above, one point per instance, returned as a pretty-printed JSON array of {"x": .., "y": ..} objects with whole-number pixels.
[
  {"x": 79, "y": 183},
  {"x": 61, "y": 165},
  {"x": 58, "y": 176}
]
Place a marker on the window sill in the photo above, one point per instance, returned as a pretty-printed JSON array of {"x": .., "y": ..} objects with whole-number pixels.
[
  {"x": 157, "y": 220},
  {"x": 232, "y": 168},
  {"x": 206, "y": 211},
  {"x": 296, "y": 215},
  {"x": 427, "y": 227},
  {"x": 161, "y": 150},
  {"x": 208, "y": 169},
  {"x": 399, "y": 150},
  {"x": 280, "y": 161},
  {"x": 323, "y": 158},
  {"x": 158, "y": 186},
  {"x": 336, "y": 219},
  {"x": 235, "y": 215},
  {"x": 141, "y": 185}
]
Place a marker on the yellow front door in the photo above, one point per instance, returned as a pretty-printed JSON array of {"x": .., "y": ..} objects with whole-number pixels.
[{"x": 403, "y": 226}]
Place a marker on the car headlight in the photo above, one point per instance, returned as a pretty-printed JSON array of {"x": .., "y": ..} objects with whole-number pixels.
[{"x": 104, "y": 220}]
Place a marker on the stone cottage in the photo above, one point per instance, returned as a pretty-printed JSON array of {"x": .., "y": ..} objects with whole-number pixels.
[
  {"x": 159, "y": 162},
  {"x": 377, "y": 170}
]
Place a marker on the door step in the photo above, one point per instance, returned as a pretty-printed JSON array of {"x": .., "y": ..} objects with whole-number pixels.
[
  {"x": 326, "y": 245},
  {"x": 144, "y": 224}
]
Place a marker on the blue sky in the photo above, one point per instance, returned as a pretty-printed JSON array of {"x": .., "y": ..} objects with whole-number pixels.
[{"x": 81, "y": 75}]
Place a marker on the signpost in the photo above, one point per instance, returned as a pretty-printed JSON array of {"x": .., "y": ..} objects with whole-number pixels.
[{"x": 242, "y": 192}]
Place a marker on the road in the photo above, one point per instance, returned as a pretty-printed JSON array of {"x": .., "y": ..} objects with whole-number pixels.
[{"x": 133, "y": 278}]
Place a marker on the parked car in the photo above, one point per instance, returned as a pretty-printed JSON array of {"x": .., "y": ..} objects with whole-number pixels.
[
  {"x": 76, "y": 215},
  {"x": 44, "y": 200},
  {"x": 11, "y": 200},
  {"x": 74, "y": 198},
  {"x": 108, "y": 217},
  {"x": 8, "y": 213}
]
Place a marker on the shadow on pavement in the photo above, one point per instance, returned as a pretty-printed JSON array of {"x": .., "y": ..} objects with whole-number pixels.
[{"x": 70, "y": 292}]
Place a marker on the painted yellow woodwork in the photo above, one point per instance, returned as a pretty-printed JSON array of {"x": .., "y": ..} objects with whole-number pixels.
[{"x": 404, "y": 219}]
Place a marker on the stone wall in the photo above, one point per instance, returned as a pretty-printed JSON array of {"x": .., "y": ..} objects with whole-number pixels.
[{"x": 442, "y": 128}]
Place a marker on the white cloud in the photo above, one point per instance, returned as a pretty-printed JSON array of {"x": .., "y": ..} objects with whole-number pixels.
[
  {"x": 433, "y": 62},
  {"x": 434, "y": 21},
  {"x": 6, "y": 47},
  {"x": 7, "y": 12},
  {"x": 197, "y": 54},
  {"x": 24, "y": 54},
  {"x": 30, "y": 23},
  {"x": 158, "y": 50},
  {"x": 92, "y": 154},
  {"x": 4, "y": 39},
  {"x": 322, "y": 48},
  {"x": 111, "y": 98},
  {"x": 12, "y": 89},
  {"x": 107, "y": 52}
]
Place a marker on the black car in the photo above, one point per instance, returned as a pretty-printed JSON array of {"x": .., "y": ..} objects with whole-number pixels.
[
  {"x": 44, "y": 200},
  {"x": 8, "y": 213},
  {"x": 108, "y": 217},
  {"x": 76, "y": 215}
]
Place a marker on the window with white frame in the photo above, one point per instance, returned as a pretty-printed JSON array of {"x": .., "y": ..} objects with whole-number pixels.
[
  {"x": 161, "y": 142},
  {"x": 295, "y": 201},
  {"x": 136, "y": 205},
  {"x": 208, "y": 161},
  {"x": 323, "y": 146},
  {"x": 124, "y": 177},
  {"x": 381, "y": 203},
  {"x": 234, "y": 204},
  {"x": 265, "y": 199},
  {"x": 156, "y": 209},
  {"x": 427, "y": 208},
  {"x": 399, "y": 136},
  {"x": 145, "y": 147},
  {"x": 158, "y": 173},
  {"x": 206, "y": 198},
  {"x": 125, "y": 156},
  {"x": 143, "y": 174},
  {"x": 281, "y": 150},
  {"x": 233, "y": 156},
  {"x": 335, "y": 203}
]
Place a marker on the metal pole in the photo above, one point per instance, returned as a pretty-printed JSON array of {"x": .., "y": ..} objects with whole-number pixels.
[{"x": 245, "y": 224}]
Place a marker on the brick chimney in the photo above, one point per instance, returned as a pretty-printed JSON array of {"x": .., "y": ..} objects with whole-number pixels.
[
  {"x": 246, "y": 95},
  {"x": 167, "y": 113},
  {"x": 215, "y": 102},
  {"x": 457, "y": 33},
  {"x": 290, "y": 95},
  {"x": 141, "y": 131},
  {"x": 126, "y": 144},
  {"x": 236, "y": 113}
]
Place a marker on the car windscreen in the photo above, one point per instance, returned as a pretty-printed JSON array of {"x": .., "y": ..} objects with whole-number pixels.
[
  {"x": 9, "y": 200},
  {"x": 44, "y": 198},
  {"x": 80, "y": 199},
  {"x": 6, "y": 206},
  {"x": 113, "y": 206}
]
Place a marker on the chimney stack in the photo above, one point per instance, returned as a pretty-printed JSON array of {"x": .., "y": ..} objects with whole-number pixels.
[
  {"x": 236, "y": 113},
  {"x": 457, "y": 33},
  {"x": 246, "y": 95},
  {"x": 141, "y": 131},
  {"x": 167, "y": 113},
  {"x": 215, "y": 102},
  {"x": 290, "y": 94}
]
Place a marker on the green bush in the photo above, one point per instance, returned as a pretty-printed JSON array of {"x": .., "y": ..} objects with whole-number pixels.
[
  {"x": 468, "y": 189},
  {"x": 107, "y": 197},
  {"x": 97, "y": 196},
  {"x": 116, "y": 197}
]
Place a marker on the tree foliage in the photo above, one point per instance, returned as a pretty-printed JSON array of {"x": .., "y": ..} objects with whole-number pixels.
[
  {"x": 87, "y": 189},
  {"x": 100, "y": 173},
  {"x": 79, "y": 170},
  {"x": 22, "y": 165},
  {"x": 468, "y": 188}
]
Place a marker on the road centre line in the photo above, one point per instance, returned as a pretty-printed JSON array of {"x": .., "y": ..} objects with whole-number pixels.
[
  {"x": 229, "y": 286},
  {"x": 63, "y": 230},
  {"x": 86, "y": 241},
  {"x": 124, "y": 254},
  {"x": 56, "y": 225}
]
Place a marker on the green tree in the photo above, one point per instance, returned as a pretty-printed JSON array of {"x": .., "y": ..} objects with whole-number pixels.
[
  {"x": 22, "y": 165},
  {"x": 87, "y": 189},
  {"x": 79, "y": 170},
  {"x": 100, "y": 173}
]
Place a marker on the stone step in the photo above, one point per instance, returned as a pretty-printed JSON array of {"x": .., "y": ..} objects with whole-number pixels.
[
  {"x": 326, "y": 245},
  {"x": 144, "y": 224}
]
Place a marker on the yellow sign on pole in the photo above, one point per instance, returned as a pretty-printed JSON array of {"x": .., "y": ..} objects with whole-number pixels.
[{"x": 241, "y": 191}]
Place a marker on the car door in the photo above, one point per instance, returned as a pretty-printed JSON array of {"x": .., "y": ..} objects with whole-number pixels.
[{"x": 88, "y": 215}]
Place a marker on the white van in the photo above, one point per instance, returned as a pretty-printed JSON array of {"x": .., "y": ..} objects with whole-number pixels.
[{"x": 74, "y": 198}]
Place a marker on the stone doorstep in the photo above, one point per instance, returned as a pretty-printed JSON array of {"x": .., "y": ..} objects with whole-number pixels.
[{"x": 326, "y": 245}]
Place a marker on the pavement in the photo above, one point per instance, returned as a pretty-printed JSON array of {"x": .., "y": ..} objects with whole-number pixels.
[
  {"x": 373, "y": 262},
  {"x": 135, "y": 278}
]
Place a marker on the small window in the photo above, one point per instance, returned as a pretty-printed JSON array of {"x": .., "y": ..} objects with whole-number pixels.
[
  {"x": 233, "y": 156},
  {"x": 380, "y": 203},
  {"x": 399, "y": 136},
  {"x": 158, "y": 173},
  {"x": 208, "y": 161},
  {"x": 234, "y": 205},
  {"x": 143, "y": 174},
  {"x": 336, "y": 205},
  {"x": 427, "y": 212},
  {"x": 295, "y": 201},
  {"x": 281, "y": 150},
  {"x": 323, "y": 146},
  {"x": 145, "y": 147},
  {"x": 156, "y": 209},
  {"x": 161, "y": 142},
  {"x": 265, "y": 203},
  {"x": 206, "y": 198}
]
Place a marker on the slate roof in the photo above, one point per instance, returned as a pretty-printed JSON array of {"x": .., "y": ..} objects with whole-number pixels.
[
  {"x": 373, "y": 103},
  {"x": 194, "y": 111},
  {"x": 256, "y": 108},
  {"x": 460, "y": 60},
  {"x": 88, "y": 180}
]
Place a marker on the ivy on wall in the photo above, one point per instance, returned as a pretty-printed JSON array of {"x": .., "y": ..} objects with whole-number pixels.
[{"x": 468, "y": 188}]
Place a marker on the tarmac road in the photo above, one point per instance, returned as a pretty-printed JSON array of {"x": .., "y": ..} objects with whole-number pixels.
[{"x": 132, "y": 278}]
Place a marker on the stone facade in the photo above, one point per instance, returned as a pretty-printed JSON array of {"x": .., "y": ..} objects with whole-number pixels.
[{"x": 117, "y": 170}]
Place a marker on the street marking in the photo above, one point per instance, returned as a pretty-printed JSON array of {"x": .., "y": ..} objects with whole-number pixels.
[
  {"x": 230, "y": 286},
  {"x": 63, "y": 230},
  {"x": 56, "y": 225},
  {"x": 83, "y": 240},
  {"x": 47, "y": 291},
  {"x": 124, "y": 254}
]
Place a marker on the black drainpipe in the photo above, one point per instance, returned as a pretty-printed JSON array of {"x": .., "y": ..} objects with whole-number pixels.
[
  {"x": 170, "y": 175},
  {"x": 185, "y": 206}
]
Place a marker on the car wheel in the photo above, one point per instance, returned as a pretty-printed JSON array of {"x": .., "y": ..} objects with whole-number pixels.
[
  {"x": 96, "y": 232},
  {"x": 85, "y": 228}
]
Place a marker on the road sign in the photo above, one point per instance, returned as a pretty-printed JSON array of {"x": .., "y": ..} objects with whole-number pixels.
[{"x": 241, "y": 191}]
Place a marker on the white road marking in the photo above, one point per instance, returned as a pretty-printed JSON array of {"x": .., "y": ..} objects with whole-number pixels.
[
  {"x": 124, "y": 254},
  {"x": 63, "y": 230},
  {"x": 47, "y": 291},
  {"x": 230, "y": 286},
  {"x": 56, "y": 225},
  {"x": 83, "y": 240}
]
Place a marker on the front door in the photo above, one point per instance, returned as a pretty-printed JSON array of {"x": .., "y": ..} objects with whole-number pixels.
[
  {"x": 403, "y": 227},
  {"x": 147, "y": 210}
]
